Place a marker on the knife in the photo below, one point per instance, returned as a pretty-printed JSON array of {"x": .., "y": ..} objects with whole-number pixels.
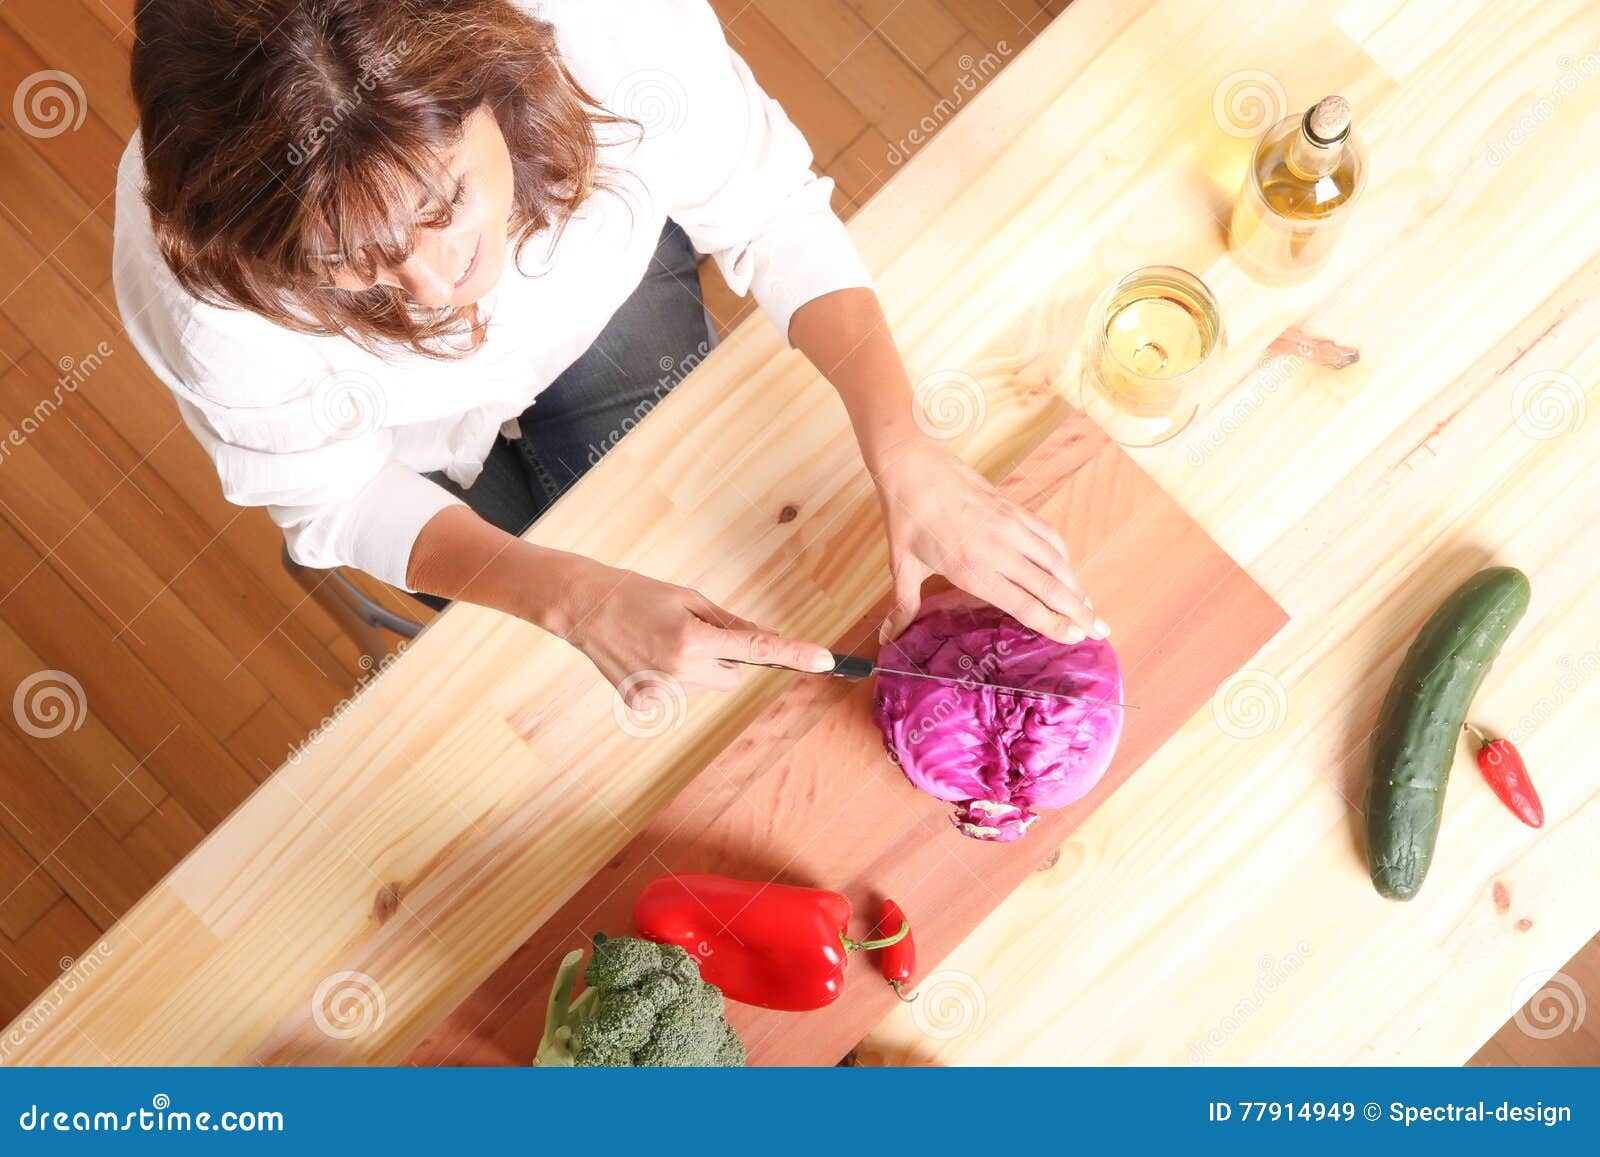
[{"x": 858, "y": 667}]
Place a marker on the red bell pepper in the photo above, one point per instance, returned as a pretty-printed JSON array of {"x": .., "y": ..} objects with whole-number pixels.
[
  {"x": 771, "y": 945},
  {"x": 1501, "y": 764}
]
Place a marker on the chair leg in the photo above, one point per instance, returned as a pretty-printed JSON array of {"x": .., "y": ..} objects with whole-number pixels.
[
  {"x": 372, "y": 612},
  {"x": 359, "y": 616}
]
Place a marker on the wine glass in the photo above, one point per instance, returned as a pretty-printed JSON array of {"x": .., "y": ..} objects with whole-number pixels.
[{"x": 1151, "y": 344}]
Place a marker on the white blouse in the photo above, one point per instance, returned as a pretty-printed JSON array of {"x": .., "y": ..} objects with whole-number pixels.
[{"x": 334, "y": 440}]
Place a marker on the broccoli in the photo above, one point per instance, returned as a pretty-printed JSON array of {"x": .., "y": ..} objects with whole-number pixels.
[{"x": 644, "y": 1004}]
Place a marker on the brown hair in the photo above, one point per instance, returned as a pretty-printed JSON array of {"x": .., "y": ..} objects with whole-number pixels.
[{"x": 274, "y": 128}]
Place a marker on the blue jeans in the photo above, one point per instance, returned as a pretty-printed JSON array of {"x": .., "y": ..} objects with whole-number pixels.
[{"x": 655, "y": 338}]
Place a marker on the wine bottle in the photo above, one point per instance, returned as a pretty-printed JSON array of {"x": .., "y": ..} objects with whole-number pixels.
[{"x": 1297, "y": 193}]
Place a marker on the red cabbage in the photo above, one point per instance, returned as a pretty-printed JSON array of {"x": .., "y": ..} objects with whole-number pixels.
[{"x": 999, "y": 757}]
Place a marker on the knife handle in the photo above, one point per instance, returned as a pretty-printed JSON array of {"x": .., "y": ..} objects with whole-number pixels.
[{"x": 853, "y": 667}]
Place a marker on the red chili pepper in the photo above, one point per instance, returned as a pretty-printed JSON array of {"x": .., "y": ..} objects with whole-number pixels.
[
  {"x": 898, "y": 961},
  {"x": 1502, "y": 766},
  {"x": 771, "y": 945}
]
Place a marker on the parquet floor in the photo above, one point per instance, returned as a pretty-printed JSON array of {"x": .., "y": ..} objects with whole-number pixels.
[{"x": 155, "y": 617}]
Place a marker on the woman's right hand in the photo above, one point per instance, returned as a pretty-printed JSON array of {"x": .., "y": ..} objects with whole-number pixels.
[{"x": 638, "y": 631}]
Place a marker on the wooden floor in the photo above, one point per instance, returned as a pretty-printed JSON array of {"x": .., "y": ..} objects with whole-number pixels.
[
  {"x": 869, "y": 81},
  {"x": 152, "y": 614},
  {"x": 1559, "y": 1024},
  {"x": 155, "y": 620},
  {"x": 151, "y": 617}
]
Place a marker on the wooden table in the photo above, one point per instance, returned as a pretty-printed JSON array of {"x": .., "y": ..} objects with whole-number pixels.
[{"x": 1216, "y": 909}]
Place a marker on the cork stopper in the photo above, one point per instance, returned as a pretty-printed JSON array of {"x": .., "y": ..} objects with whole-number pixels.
[{"x": 1328, "y": 120}]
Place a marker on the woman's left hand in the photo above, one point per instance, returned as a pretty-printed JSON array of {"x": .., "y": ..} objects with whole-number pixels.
[{"x": 943, "y": 517}]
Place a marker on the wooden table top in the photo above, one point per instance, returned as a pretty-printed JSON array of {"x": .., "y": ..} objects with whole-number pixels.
[
  {"x": 1216, "y": 909},
  {"x": 806, "y": 794}
]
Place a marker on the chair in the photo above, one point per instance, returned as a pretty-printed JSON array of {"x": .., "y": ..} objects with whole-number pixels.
[{"x": 361, "y": 617}]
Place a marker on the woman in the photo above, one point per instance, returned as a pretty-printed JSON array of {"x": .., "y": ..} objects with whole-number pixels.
[{"x": 411, "y": 266}]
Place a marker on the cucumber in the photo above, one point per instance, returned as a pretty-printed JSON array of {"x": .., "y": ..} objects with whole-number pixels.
[{"x": 1420, "y": 723}]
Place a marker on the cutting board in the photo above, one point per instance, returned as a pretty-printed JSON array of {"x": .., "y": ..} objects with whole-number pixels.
[{"x": 806, "y": 795}]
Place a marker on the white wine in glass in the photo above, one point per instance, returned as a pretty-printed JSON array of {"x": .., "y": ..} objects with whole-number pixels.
[{"x": 1151, "y": 339}]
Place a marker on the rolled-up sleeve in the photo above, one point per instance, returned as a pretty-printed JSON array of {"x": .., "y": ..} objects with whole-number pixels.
[
  {"x": 740, "y": 178},
  {"x": 247, "y": 392},
  {"x": 343, "y": 503},
  {"x": 375, "y": 530}
]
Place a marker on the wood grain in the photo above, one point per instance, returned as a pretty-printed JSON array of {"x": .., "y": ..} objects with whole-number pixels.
[
  {"x": 1555, "y": 1027},
  {"x": 87, "y": 157},
  {"x": 805, "y": 794},
  {"x": 119, "y": 502},
  {"x": 1226, "y": 878},
  {"x": 384, "y": 857},
  {"x": 881, "y": 84},
  {"x": 919, "y": 30},
  {"x": 1217, "y": 910},
  {"x": 818, "y": 109},
  {"x": 30, "y": 892}
]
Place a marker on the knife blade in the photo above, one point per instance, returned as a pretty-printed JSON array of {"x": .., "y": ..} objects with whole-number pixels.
[
  {"x": 858, "y": 667},
  {"x": 1028, "y": 691}
]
